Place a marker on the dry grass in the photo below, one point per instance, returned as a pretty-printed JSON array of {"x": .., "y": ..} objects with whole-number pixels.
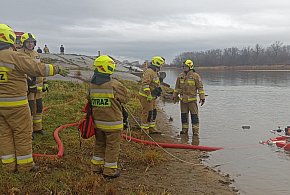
[{"x": 73, "y": 173}]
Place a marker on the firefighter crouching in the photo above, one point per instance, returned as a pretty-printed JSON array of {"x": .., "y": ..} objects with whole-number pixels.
[
  {"x": 148, "y": 93},
  {"x": 15, "y": 118},
  {"x": 188, "y": 84},
  {"x": 36, "y": 85},
  {"x": 107, "y": 96}
]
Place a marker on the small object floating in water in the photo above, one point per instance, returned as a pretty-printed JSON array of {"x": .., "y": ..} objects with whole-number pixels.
[
  {"x": 246, "y": 127},
  {"x": 170, "y": 118}
]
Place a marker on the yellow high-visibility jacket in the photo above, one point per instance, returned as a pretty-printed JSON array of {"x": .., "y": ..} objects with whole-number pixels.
[
  {"x": 34, "y": 55},
  {"x": 14, "y": 66},
  {"x": 150, "y": 81},
  {"x": 188, "y": 86},
  {"x": 107, "y": 100}
]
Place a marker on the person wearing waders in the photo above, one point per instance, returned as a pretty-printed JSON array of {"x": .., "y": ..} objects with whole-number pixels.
[
  {"x": 15, "y": 118},
  {"x": 36, "y": 85},
  {"x": 188, "y": 86},
  {"x": 106, "y": 96},
  {"x": 149, "y": 91}
]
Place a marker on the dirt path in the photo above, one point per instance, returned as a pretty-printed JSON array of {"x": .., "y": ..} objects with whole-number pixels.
[{"x": 171, "y": 177}]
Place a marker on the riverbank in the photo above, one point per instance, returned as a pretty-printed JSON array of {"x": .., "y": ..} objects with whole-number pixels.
[
  {"x": 145, "y": 169},
  {"x": 181, "y": 172},
  {"x": 241, "y": 68}
]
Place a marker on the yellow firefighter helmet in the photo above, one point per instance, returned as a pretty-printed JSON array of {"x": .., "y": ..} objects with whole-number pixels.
[
  {"x": 105, "y": 64},
  {"x": 6, "y": 34},
  {"x": 27, "y": 37},
  {"x": 189, "y": 64},
  {"x": 157, "y": 61}
]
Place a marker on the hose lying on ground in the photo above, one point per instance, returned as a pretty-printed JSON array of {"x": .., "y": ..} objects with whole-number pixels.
[
  {"x": 171, "y": 145},
  {"x": 164, "y": 145}
]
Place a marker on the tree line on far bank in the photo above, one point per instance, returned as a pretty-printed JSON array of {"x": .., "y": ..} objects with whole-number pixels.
[{"x": 275, "y": 54}]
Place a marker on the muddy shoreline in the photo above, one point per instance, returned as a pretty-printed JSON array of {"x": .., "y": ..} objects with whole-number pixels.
[{"x": 183, "y": 173}]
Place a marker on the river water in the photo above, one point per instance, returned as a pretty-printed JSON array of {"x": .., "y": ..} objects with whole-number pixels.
[{"x": 258, "y": 99}]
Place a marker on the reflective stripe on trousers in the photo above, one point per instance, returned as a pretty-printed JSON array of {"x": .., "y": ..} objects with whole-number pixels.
[
  {"x": 10, "y": 158},
  {"x": 111, "y": 165},
  {"x": 97, "y": 160},
  {"x": 37, "y": 119},
  {"x": 24, "y": 159},
  {"x": 108, "y": 125},
  {"x": 144, "y": 126}
]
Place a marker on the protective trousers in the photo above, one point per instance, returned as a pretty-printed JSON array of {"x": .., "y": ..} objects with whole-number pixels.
[
  {"x": 15, "y": 138},
  {"x": 36, "y": 106},
  {"x": 106, "y": 152},
  {"x": 193, "y": 109},
  {"x": 149, "y": 113}
]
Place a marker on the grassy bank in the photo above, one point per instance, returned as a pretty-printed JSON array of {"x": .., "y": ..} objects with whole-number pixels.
[{"x": 73, "y": 173}]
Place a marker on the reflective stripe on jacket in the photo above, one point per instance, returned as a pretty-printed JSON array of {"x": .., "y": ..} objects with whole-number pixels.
[
  {"x": 13, "y": 69},
  {"x": 34, "y": 55},
  {"x": 14, "y": 101},
  {"x": 106, "y": 100},
  {"x": 150, "y": 81}
]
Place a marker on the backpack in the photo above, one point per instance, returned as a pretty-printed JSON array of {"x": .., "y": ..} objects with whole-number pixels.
[{"x": 86, "y": 126}]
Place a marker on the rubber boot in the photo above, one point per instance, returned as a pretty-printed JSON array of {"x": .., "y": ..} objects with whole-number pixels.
[
  {"x": 110, "y": 173},
  {"x": 184, "y": 131},
  {"x": 195, "y": 140},
  {"x": 9, "y": 167},
  {"x": 195, "y": 129},
  {"x": 35, "y": 168},
  {"x": 29, "y": 167},
  {"x": 98, "y": 169},
  {"x": 145, "y": 130},
  {"x": 40, "y": 132},
  {"x": 154, "y": 130}
]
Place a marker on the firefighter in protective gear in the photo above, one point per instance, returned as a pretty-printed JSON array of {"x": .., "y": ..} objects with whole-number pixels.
[
  {"x": 149, "y": 91},
  {"x": 36, "y": 85},
  {"x": 188, "y": 85},
  {"x": 15, "y": 118},
  {"x": 107, "y": 96}
]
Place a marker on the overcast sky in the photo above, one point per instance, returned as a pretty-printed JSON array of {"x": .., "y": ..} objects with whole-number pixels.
[{"x": 144, "y": 28}]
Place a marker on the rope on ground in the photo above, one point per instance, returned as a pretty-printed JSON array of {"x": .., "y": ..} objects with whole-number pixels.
[
  {"x": 170, "y": 154},
  {"x": 65, "y": 103}
]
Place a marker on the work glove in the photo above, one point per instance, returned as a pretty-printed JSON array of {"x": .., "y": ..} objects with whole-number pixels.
[
  {"x": 149, "y": 98},
  {"x": 202, "y": 101},
  {"x": 45, "y": 87},
  {"x": 39, "y": 88},
  {"x": 62, "y": 71}
]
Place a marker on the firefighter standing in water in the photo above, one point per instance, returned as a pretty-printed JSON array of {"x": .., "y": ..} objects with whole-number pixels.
[
  {"x": 188, "y": 85},
  {"x": 15, "y": 118},
  {"x": 149, "y": 91},
  {"x": 107, "y": 96},
  {"x": 36, "y": 85}
]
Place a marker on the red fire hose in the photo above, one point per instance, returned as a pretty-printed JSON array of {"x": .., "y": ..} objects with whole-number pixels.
[
  {"x": 164, "y": 145},
  {"x": 58, "y": 141},
  {"x": 170, "y": 145}
]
